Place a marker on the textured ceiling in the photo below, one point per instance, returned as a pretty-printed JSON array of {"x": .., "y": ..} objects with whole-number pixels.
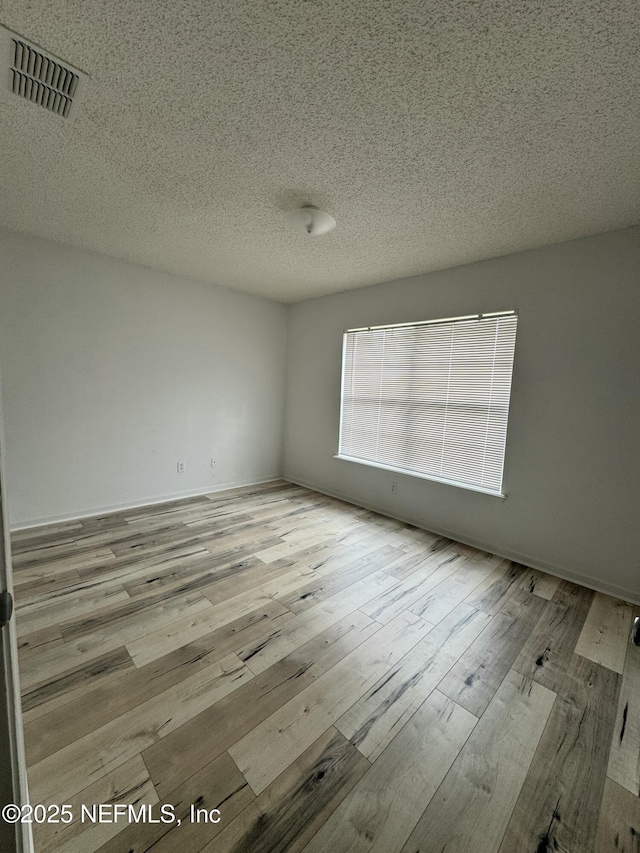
[{"x": 436, "y": 133}]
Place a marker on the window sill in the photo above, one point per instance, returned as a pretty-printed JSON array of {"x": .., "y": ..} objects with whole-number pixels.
[{"x": 420, "y": 476}]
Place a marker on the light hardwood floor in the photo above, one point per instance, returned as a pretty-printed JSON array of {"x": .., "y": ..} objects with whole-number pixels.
[{"x": 329, "y": 679}]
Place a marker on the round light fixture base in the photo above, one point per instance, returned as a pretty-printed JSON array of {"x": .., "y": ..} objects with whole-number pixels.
[{"x": 310, "y": 220}]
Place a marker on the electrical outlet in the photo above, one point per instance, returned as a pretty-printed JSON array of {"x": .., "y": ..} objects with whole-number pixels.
[
  {"x": 180, "y": 467},
  {"x": 394, "y": 488}
]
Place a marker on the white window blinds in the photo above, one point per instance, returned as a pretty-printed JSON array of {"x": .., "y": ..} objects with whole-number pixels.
[{"x": 430, "y": 398}]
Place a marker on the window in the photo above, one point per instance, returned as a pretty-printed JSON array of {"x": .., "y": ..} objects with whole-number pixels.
[{"x": 431, "y": 398}]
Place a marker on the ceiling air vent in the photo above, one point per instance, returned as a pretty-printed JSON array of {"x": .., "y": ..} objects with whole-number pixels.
[{"x": 38, "y": 77}]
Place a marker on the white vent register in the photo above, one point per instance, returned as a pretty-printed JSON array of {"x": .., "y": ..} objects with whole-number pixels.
[{"x": 38, "y": 77}]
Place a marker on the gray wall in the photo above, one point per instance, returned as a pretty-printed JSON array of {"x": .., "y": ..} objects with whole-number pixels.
[
  {"x": 113, "y": 372},
  {"x": 572, "y": 460}
]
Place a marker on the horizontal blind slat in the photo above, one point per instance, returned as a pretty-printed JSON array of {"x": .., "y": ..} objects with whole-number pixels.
[{"x": 430, "y": 399}]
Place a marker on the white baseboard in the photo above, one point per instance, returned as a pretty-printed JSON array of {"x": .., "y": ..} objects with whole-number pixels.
[
  {"x": 533, "y": 562},
  {"x": 105, "y": 510}
]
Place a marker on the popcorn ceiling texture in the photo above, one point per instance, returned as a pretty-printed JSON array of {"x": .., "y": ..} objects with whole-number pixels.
[{"x": 436, "y": 133}]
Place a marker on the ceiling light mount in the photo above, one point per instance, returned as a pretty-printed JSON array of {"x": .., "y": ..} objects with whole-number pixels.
[{"x": 310, "y": 220}]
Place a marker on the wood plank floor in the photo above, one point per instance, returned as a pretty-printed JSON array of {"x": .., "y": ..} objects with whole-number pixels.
[{"x": 325, "y": 677}]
